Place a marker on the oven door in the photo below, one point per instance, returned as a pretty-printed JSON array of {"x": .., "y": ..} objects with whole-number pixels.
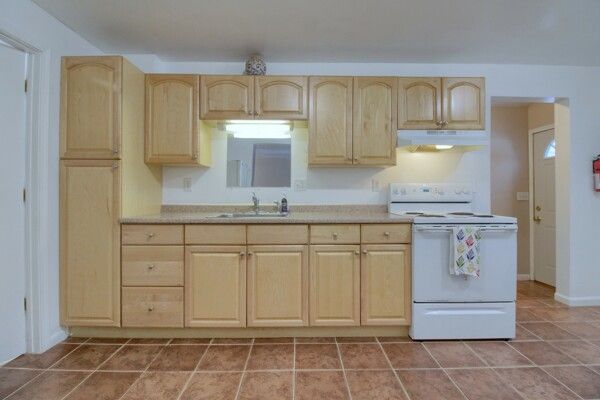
[{"x": 432, "y": 281}]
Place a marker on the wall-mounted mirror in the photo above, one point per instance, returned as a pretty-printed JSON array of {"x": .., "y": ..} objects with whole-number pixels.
[{"x": 258, "y": 153}]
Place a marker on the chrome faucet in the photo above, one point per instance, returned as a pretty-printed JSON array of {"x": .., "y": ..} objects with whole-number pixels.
[{"x": 255, "y": 202}]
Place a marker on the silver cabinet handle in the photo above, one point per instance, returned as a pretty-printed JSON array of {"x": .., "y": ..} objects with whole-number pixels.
[
  {"x": 386, "y": 234},
  {"x": 150, "y": 308},
  {"x": 335, "y": 235},
  {"x": 242, "y": 254},
  {"x": 150, "y": 235},
  {"x": 250, "y": 253},
  {"x": 365, "y": 252},
  {"x": 151, "y": 267},
  {"x": 356, "y": 252}
]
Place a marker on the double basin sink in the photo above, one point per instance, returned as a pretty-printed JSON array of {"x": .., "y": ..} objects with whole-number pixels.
[{"x": 252, "y": 214}]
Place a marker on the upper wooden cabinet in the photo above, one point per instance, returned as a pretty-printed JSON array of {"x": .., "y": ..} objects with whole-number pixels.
[
  {"x": 419, "y": 103},
  {"x": 330, "y": 120},
  {"x": 280, "y": 97},
  {"x": 250, "y": 97},
  {"x": 374, "y": 120},
  {"x": 90, "y": 113},
  {"x": 441, "y": 103},
  {"x": 226, "y": 97},
  {"x": 172, "y": 120},
  {"x": 463, "y": 103}
]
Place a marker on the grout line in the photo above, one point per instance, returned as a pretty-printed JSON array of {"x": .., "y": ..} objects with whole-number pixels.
[
  {"x": 562, "y": 384},
  {"x": 444, "y": 370},
  {"x": 337, "y": 345},
  {"x": 143, "y": 372},
  {"x": 237, "y": 393},
  {"x": 189, "y": 379},
  {"x": 393, "y": 370},
  {"x": 94, "y": 371}
]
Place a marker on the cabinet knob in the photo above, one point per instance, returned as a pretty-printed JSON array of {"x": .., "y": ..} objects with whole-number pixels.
[
  {"x": 386, "y": 234},
  {"x": 150, "y": 308},
  {"x": 242, "y": 254},
  {"x": 365, "y": 252},
  {"x": 335, "y": 235},
  {"x": 249, "y": 112},
  {"x": 151, "y": 266},
  {"x": 356, "y": 252},
  {"x": 150, "y": 235},
  {"x": 115, "y": 151},
  {"x": 355, "y": 159},
  {"x": 250, "y": 253}
]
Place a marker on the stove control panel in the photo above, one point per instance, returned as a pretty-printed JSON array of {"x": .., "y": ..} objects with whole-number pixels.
[{"x": 430, "y": 193}]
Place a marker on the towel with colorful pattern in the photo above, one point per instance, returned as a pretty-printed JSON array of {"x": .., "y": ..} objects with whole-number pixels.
[{"x": 464, "y": 251}]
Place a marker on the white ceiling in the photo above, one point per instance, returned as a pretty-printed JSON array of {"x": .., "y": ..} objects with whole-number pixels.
[{"x": 559, "y": 32}]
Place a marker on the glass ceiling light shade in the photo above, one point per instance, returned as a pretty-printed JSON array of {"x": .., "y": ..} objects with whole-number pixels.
[
  {"x": 443, "y": 146},
  {"x": 259, "y": 129}
]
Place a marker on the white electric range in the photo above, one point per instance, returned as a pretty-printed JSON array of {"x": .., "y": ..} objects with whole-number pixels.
[{"x": 447, "y": 306}]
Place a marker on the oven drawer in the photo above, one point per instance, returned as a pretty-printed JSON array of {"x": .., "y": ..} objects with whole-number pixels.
[{"x": 443, "y": 321}]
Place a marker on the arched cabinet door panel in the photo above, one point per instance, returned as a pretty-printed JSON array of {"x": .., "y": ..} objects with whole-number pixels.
[
  {"x": 172, "y": 115},
  {"x": 281, "y": 97},
  {"x": 90, "y": 117},
  {"x": 463, "y": 104},
  {"x": 226, "y": 97},
  {"x": 419, "y": 103}
]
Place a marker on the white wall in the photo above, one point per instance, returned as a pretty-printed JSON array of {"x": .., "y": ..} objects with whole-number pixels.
[
  {"x": 579, "y": 214},
  {"x": 26, "y": 21}
]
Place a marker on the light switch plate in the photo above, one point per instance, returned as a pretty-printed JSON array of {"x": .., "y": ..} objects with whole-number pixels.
[{"x": 522, "y": 196}]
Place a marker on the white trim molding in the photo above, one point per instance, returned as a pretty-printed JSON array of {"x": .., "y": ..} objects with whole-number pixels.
[
  {"x": 577, "y": 301},
  {"x": 524, "y": 277}
]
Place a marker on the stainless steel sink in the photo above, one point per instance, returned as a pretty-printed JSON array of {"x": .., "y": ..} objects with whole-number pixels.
[{"x": 260, "y": 214}]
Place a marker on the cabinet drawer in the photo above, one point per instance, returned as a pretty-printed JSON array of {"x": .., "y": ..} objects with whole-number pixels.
[
  {"x": 386, "y": 233},
  {"x": 332, "y": 234},
  {"x": 215, "y": 234},
  {"x": 152, "y": 234},
  {"x": 152, "y": 307},
  {"x": 278, "y": 234},
  {"x": 152, "y": 265}
]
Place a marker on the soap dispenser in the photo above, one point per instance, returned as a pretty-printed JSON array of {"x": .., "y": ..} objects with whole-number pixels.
[{"x": 284, "y": 205}]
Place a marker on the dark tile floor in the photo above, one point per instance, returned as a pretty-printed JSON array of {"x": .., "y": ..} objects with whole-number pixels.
[{"x": 556, "y": 355}]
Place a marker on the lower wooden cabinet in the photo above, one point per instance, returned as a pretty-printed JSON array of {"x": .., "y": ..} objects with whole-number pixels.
[
  {"x": 278, "y": 285},
  {"x": 335, "y": 285},
  {"x": 215, "y": 290},
  {"x": 90, "y": 278},
  {"x": 153, "y": 307},
  {"x": 385, "y": 284}
]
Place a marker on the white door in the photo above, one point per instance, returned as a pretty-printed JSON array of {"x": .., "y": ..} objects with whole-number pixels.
[
  {"x": 544, "y": 213},
  {"x": 12, "y": 209}
]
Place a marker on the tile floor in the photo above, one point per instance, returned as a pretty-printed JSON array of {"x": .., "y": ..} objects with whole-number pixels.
[{"x": 556, "y": 355}]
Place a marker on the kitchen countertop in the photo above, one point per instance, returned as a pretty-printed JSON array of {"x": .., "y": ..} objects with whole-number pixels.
[{"x": 207, "y": 214}]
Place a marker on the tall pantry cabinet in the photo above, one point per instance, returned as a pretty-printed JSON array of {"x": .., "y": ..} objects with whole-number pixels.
[{"x": 103, "y": 177}]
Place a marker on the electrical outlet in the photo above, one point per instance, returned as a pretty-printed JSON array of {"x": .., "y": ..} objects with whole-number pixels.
[
  {"x": 187, "y": 184},
  {"x": 374, "y": 185},
  {"x": 300, "y": 185}
]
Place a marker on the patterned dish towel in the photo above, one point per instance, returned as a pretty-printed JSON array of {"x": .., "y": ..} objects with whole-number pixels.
[{"x": 464, "y": 251}]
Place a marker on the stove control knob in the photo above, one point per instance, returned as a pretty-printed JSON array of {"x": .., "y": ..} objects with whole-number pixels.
[
  {"x": 403, "y": 192},
  {"x": 395, "y": 191},
  {"x": 457, "y": 191}
]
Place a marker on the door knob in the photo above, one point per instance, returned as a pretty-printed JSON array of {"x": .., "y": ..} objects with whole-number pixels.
[{"x": 537, "y": 219}]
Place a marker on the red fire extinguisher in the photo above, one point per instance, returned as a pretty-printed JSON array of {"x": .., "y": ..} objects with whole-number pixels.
[{"x": 596, "y": 166}]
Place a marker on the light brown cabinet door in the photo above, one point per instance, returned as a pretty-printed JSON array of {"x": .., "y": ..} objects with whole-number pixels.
[
  {"x": 463, "y": 103},
  {"x": 374, "y": 121},
  {"x": 226, "y": 97},
  {"x": 278, "y": 285},
  {"x": 385, "y": 284},
  {"x": 215, "y": 286},
  {"x": 335, "y": 285},
  {"x": 90, "y": 242},
  {"x": 330, "y": 120},
  {"x": 419, "y": 103},
  {"x": 281, "y": 97},
  {"x": 90, "y": 103},
  {"x": 172, "y": 115}
]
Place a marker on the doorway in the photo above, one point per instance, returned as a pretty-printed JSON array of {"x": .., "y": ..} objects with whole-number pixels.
[
  {"x": 13, "y": 157},
  {"x": 543, "y": 152}
]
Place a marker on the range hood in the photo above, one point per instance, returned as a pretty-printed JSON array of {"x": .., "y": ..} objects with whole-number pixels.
[{"x": 421, "y": 140}]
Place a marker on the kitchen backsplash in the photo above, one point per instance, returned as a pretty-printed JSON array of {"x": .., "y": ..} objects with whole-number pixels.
[{"x": 328, "y": 185}]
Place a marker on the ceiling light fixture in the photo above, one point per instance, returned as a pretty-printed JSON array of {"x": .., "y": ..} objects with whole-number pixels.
[
  {"x": 443, "y": 146},
  {"x": 273, "y": 129}
]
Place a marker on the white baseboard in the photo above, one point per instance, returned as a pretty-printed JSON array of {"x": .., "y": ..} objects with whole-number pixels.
[
  {"x": 577, "y": 301},
  {"x": 523, "y": 277},
  {"x": 54, "y": 338}
]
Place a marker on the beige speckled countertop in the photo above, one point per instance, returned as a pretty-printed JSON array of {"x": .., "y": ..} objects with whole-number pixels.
[{"x": 207, "y": 214}]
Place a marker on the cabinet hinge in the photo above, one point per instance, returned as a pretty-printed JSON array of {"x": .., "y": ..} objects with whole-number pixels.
[
  {"x": 25, "y": 85},
  {"x": 24, "y": 195},
  {"x": 25, "y": 303}
]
